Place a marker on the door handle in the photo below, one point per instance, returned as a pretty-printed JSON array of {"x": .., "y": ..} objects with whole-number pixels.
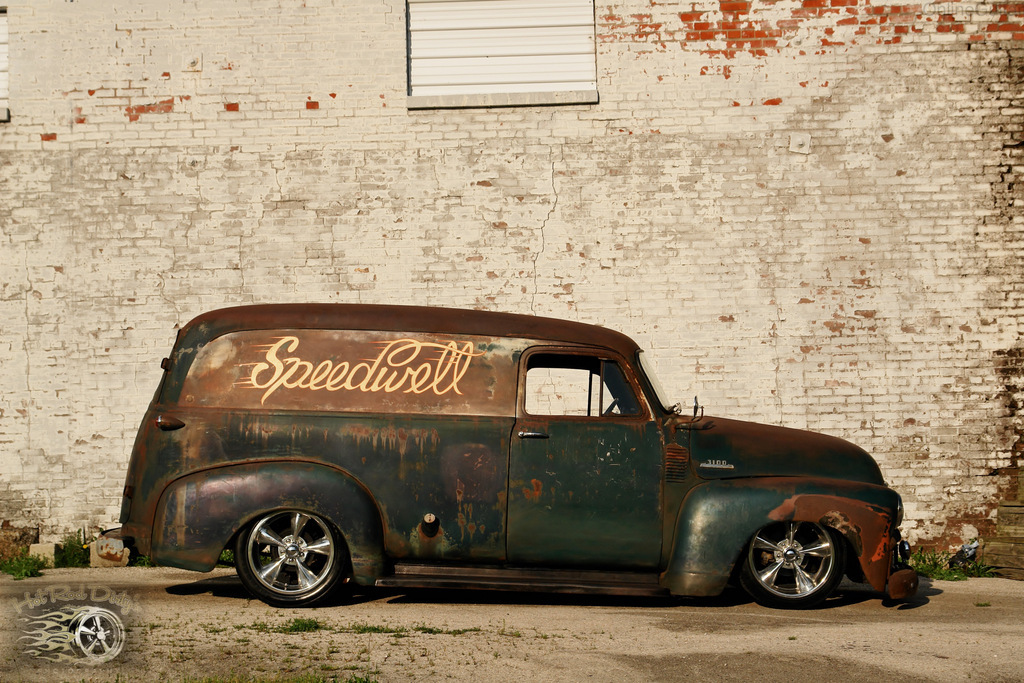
[
  {"x": 168, "y": 424},
  {"x": 523, "y": 434}
]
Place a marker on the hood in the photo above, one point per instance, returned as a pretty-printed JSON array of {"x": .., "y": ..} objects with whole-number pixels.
[{"x": 721, "y": 449}]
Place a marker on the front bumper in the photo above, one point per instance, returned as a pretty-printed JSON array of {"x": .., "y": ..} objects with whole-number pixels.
[{"x": 903, "y": 581}]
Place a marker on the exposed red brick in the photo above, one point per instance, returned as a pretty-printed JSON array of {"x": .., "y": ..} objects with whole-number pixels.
[
  {"x": 312, "y": 105},
  {"x": 47, "y": 137},
  {"x": 734, "y": 6},
  {"x": 744, "y": 28},
  {"x": 231, "y": 106},
  {"x": 162, "y": 107}
]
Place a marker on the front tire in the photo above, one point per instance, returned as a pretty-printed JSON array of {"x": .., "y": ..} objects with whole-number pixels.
[
  {"x": 290, "y": 558},
  {"x": 793, "y": 565}
]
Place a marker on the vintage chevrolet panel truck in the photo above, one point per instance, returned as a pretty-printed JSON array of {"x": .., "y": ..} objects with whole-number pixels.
[{"x": 420, "y": 447}]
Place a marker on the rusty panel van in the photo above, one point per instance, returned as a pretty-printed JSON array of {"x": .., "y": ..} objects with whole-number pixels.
[{"x": 342, "y": 445}]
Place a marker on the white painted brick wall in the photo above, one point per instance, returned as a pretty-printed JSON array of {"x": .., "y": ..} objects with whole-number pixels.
[{"x": 164, "y": 159}]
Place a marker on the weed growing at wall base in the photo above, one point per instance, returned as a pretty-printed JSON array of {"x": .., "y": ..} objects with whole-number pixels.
[
  {"x": 73, "y": 550},
  {"x": 935, "y": 565},
  {"x": 23, "y": 566}
]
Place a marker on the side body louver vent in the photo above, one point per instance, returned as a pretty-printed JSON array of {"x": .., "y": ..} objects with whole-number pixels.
[{"x": 677, "y": 463}]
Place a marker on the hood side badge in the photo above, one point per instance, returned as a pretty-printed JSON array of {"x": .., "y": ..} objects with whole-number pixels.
[{"x": 717, "y": 465}]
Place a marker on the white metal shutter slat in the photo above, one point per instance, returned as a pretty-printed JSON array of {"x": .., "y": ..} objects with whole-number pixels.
[
  {"x": 497, "y": 88},
  {"x": 465, "y": 6},
  {"x": 551, "y": 41},
  {"x": 463, "y": 47},
  {"x": 462, "y": 71},
  {"x": 500, "y": 20}
]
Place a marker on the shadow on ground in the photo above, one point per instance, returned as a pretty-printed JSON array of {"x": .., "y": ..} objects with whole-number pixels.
[{"x": 848, "y": 594}]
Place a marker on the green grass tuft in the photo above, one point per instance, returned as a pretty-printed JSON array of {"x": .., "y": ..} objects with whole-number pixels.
[
  {"x": 371, "y": 628},
  {"x": 935, "y": 565},
  {"x": 430, "y": 630},
  {"x": 300, "y": 625},
  {"x": 72, "y": 551},
  {"x": 23, "y": 566},
  {"x": 141, "y": 561}
]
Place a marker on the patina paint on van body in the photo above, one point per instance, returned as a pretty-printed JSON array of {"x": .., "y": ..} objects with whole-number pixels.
[{"x": 408, "y": 446}]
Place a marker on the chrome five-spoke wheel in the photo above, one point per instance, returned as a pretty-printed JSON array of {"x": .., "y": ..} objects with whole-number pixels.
[
  {"x": 793, "y": 564},
  {"x": 290, "y": 558},
  {"x": 99, "y": 634}
]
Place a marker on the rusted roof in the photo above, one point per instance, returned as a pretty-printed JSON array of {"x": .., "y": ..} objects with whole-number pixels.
[{"x": 403, "y": 319}]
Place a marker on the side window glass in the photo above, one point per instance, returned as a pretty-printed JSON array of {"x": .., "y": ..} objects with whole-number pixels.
[{"x": 578, "y": 386}]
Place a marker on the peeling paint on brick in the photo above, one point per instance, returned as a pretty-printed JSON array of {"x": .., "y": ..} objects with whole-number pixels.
[
  {"x": 729, "y": 28},
  {"x": 134, "y": 112}
]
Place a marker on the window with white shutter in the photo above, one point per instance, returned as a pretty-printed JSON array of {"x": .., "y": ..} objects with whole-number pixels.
[
  {"x": 486, "y": 53},
  {"x": 5, "y": 78}
]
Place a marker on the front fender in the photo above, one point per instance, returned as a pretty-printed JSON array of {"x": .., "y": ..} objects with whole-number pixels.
[
  {"x": 198, "y": 514},
  {"x": 717, "y": 520}
]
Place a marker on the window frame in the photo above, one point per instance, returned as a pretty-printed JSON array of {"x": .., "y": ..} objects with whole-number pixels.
[
  {"x": 5, "y": 65},
  {"x": 491, "y": 94},
  {"x": 643, "y": 413}
]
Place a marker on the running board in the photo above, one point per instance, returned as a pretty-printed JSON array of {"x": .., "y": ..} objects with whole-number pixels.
[{"x": 536, "y": 580}]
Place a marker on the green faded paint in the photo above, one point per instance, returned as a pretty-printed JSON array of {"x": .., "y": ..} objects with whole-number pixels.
[
  {"x": 198, "y": 514},
  {"x": 717, "y": 519},
  {"x": 727, "y": 449},
  {"x": 590, "y": 494},
  {"x": 453, "y": 468}
]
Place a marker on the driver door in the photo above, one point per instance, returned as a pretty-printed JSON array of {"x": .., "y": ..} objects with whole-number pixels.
[{"x": 585, "y": 465}]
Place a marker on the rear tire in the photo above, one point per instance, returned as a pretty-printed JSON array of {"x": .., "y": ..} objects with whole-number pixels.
[
  {"x": 290, "y": 558},
  {"x": 793, "y": 565}
]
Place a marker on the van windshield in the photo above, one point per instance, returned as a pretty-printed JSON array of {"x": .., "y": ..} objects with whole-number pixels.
[{"x": 666, "y": 404}]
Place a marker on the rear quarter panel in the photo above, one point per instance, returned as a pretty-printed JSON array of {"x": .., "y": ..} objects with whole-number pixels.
[{"x": 280, "y": 399}]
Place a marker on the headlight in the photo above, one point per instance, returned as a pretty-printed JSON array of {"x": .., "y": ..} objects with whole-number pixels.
[{"x": 903, "y": 551}]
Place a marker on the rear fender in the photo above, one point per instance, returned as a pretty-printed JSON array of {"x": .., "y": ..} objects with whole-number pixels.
[
  {"x": 198, "y": 514},
  {"x": 717, "y": 520}
]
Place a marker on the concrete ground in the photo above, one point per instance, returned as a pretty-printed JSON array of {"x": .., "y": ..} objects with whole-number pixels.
[{"x": 180, "y": 625}]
